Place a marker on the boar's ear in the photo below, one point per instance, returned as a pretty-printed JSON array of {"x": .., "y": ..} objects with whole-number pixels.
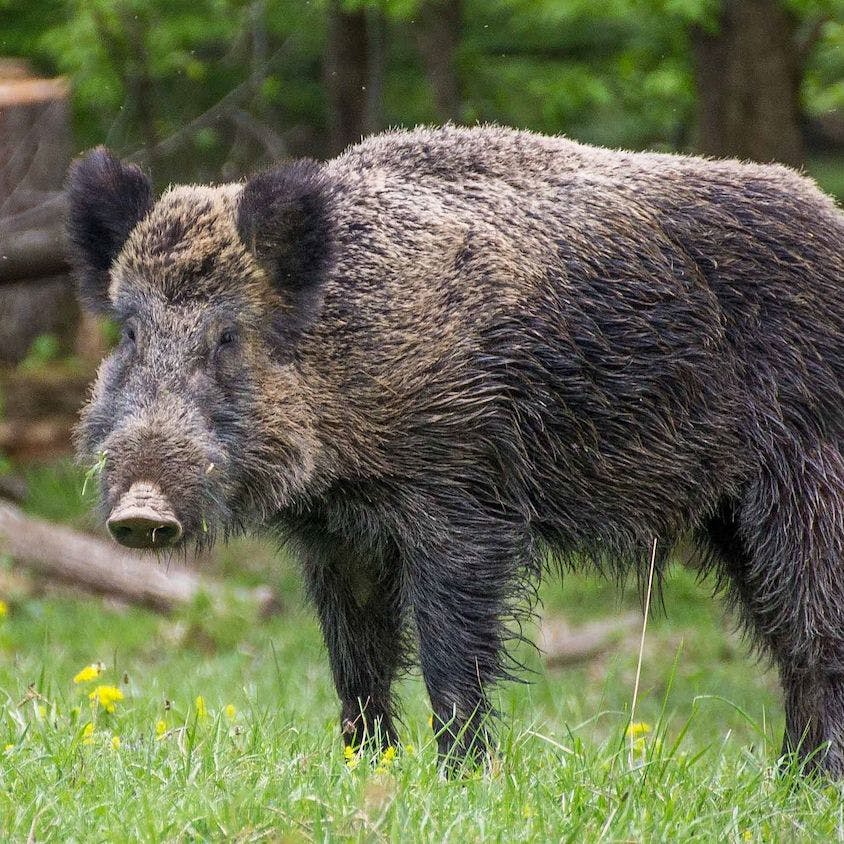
[
  {"x": 283, "y": 220},
  {"x": 106, "y": 200}
]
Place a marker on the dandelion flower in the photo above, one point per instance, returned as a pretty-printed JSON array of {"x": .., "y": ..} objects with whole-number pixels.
[
  {"x": 88, "y": 734},
  {"x": 230, "y": 711},
  {"x": 160, "y": 729},
  {"x": 410, "y": 749},
  {"x": 352, "y": 758},
  {"x": 89, "y": 672},
  {"x": 42, "y": 710},
  {"x": 388, "y": 755},
  {"x": 638, "y": 729},
  {"x": 8, "y": 748},
  {"x": 201, "y": 710},
  {"x": 4, "y": 609},
  {"x": 106, "y": 696},
  {"x": 115, "y": 742}
]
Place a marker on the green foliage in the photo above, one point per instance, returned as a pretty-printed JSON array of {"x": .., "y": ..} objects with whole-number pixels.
[
  {"x": 45, "y": 349},
  {"x": 149, "y": 75},
  {"x": 54, "y": 493}
]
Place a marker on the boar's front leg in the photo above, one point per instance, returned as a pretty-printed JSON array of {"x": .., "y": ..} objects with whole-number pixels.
[
  {"x": 464, "y": 584},
  {"x": 358, "y": 600}
]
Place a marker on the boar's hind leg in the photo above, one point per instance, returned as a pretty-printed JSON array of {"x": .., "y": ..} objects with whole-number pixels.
[
  {"x": 357, "y": 597},
  {"x": 462, "y": 587},
  {"x": 784, "y": 550}
]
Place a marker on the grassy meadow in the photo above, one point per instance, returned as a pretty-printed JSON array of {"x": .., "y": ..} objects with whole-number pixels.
[{"x": 213, "y": 724}]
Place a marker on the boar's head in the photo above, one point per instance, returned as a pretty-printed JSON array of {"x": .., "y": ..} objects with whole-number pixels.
[{"x": 198, "y": 420}]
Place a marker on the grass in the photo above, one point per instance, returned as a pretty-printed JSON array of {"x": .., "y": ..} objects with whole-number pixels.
[{"x": 259, "y": 758}]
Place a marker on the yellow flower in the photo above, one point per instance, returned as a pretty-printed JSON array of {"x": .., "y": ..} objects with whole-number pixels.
[
  {"x": 528, "y": 811},
  {"x": 4, "y": 609},
  {"x": 88, "y": 734},
  {"x": 42, "y": 710},
  {"x": 388, "y": 755},
  {"x": 201, "y": 711},
  {"x": 106, "y": 696},
  {"x": 747, "y": 835},
  {"x": 89, "y": 672},
  {"x": 230, "y": 711},
  {"x": 8, "y": 748},
  {"x": 115, "y": 742},
  {"x": 352, "y": 758},
  {"x": 410, "y": 750},
  {"x": 160, "y": 729},
  {"x": 638, "y": 729}
]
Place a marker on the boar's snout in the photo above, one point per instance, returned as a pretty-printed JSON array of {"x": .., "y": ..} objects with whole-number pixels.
[{"x": 144, "y": 518}]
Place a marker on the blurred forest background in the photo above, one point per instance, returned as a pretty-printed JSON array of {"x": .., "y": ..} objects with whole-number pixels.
[{"x": 207, "y": 90}]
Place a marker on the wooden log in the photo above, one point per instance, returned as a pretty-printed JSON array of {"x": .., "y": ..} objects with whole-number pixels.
[
  {"x": 34, "y": 254},
  {"x": 65, "y": 555},
  {"x": 564, "y": 645}
]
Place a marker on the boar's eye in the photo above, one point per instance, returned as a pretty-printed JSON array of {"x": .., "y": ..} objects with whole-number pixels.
[
  {"x": 227, "y": 337},
  {"x": 129, "y": 333}
]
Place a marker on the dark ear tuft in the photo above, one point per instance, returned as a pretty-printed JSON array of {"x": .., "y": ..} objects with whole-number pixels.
[
  {"x": 283, "y": 219},
  {"x": 106, "y": 200}
]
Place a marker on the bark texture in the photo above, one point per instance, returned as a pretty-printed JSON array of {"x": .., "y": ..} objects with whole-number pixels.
[{"x": 748, "y": 84}]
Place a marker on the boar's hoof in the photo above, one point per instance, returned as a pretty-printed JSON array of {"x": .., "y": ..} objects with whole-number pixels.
[{"x": 143, "y": 518}]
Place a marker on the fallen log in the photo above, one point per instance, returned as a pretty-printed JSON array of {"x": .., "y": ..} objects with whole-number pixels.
[
  {"x": 62, "y": 554},
  {"x": 563, "y": 645},
  {"x": 33, "y": 255}
]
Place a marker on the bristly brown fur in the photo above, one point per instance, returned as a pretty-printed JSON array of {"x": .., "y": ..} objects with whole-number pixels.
[{"x": 461, "y": 349}]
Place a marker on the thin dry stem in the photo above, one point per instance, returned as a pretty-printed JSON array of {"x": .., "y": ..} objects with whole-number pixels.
[{"x": 642, "y": 644}]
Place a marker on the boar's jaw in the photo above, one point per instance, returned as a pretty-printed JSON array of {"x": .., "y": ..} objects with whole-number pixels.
[{"x": 144, "y": 518}]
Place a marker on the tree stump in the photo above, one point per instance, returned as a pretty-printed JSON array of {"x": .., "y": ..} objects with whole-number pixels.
[{"x": 35, "y": 150}]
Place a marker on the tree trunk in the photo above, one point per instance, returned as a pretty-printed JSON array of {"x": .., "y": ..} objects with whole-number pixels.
[
  {"x": 34, "y": 154},
  {"x": 354, "y": 67},
  {"x": 437, "y": 38},
  {"x": 346, "y": 76},
  {"x": 748, "y": 80}
]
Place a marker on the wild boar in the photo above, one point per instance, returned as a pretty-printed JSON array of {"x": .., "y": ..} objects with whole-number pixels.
[{"x": 450, "y": 355}]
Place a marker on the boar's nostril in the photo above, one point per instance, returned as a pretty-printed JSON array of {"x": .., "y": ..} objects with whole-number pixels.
[
  {"x": 145, "y": 532},
  {"x": 143, "y": 519}
]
